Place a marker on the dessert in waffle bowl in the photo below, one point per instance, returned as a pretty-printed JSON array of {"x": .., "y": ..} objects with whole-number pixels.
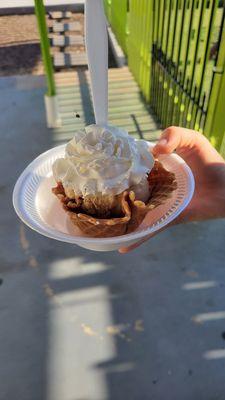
[{"x": 107, "y": 181}]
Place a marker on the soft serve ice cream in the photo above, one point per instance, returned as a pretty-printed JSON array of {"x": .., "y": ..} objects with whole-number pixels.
[
  {"x": 104, "y": 161},
  {"x": 107, "y": 181}
]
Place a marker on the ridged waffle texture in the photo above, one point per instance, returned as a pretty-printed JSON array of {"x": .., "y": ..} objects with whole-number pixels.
[{"x": 161, "y": 182}]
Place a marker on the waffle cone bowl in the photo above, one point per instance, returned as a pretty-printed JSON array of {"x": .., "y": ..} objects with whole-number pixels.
[{"x": 161, "y": 182}]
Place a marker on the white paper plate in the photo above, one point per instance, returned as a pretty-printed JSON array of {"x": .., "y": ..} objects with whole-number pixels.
[{"x": 40, "y": 209}]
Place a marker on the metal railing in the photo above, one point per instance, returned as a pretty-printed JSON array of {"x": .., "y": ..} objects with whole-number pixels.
[{"x": 176, "y": 51}]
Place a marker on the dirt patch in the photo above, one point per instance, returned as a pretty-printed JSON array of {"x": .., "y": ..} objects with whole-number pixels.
[{"x": 20, "y": 46}]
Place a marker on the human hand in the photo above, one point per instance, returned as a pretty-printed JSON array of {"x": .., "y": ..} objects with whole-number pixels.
[{"x": 208, "y": 168}]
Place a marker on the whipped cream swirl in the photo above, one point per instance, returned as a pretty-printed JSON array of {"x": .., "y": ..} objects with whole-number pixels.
[{"x": 103, "y": 160}]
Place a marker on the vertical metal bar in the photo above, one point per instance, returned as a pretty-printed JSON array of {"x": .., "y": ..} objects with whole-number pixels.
[
  {"x": 186, "y": 78},
  {"x": 177, "y": 62},
  {"x": 119, "y": 21},
  {"x": 199, "y": 69},
  {"x": 205, "y": 59},
  {"x": 45, "y": 46},
  {"x": 137, "y": 40},
  {"x": 152, "y": 50},
  {"x": 170, "y": 94},
  {"x": 106, "y": 8},
  {"x": 109, "y": 9},
  {"x": 217, "y": 129},
  {"x": 141, "y": 42},
  {"x": 156, "y": 21},
  {"x": 165, "y": 90},
  {"x": 215, "y": 121},
  {"x": 147, "y": 39},
  {"x": 161, "y": 58},
  {"x": 182, "y": 94},
  {"x": 218, "y": 43},
  {"x": 148, "y": 45},
  {"x": 134, "y": 22},
  {"x": 161, "y": 14},
  {"x": 199, "y": 116},
  {"x": 187, "y": 116},
  {"x": 133, "y": 56},
  {"x": 143, "y": 32}
]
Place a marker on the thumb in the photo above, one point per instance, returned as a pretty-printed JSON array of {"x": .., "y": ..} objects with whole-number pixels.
[
  {"x": 186, "y": 141},
  {"x": 175, "y": 138}
]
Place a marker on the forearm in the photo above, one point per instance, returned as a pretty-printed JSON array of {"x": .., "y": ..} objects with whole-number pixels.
[
  {"x": 221, "y": 203},
  {"x": 218, "y": 191},
  {"x": 209, "y": 199}
]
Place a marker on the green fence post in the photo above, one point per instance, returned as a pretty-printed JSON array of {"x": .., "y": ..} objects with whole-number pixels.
[
  {"x": 215, "y": 121},
  {"x": 45, "y": 46},
  {"x": 139, "y": 43},
  {"x": 107, "y": 6},
  {"x": 215, "y": 130},
  {"x": 118, "y": 20}
]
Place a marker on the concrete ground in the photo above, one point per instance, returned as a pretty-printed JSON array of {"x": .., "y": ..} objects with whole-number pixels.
[
  {"x": 78, "y": 325},
  {"x": 30, "y": 3}
]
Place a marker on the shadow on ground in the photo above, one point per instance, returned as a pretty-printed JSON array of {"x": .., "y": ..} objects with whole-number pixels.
[{"x": 20, "y": 59}]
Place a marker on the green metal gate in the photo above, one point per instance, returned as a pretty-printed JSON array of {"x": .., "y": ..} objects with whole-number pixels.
[
  {"x": 186, "y": 38},
  {"x": 176, "y": 51}
]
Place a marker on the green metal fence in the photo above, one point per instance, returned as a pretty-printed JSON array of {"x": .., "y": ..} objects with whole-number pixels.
[
  {"x": 176, "y": 51},
  {"x": 117, "y": 14},
  {"x": 186, "y": 34}
]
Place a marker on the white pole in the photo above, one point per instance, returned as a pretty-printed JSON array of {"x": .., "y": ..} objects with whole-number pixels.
[
  {"x": 97, "y": 54},
  {"x": 52, "y": 112}
]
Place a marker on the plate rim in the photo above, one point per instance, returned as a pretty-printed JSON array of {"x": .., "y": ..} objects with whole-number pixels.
[{"x": 89, "y": 240}]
